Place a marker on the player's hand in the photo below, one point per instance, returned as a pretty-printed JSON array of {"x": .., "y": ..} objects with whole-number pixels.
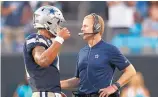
[
  {"x": 64, "y": 33},
  {"x": 105, "y": 92}
]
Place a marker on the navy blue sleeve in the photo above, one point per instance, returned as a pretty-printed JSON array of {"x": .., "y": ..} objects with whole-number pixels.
[
  {"x": 33, "y": 41},
  {"x": 77, "y": 71},
  {"x": 118, "y": 59}
]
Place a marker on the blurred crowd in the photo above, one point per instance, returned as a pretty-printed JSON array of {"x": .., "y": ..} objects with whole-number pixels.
[
  {"x": 131, "y": 25},
  {"x": 134, "y": 26}
]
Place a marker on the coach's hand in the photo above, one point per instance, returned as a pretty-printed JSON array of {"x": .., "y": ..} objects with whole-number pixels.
[
  {"x": 105, "y": 92},
  {"x": 64, "y": 33}
]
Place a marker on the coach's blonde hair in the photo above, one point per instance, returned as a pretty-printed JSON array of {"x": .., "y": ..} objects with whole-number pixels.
[{"x": 101, "y": 22}]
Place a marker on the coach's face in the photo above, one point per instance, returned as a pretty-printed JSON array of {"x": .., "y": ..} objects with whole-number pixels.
[{"x": 87, "y": 27}]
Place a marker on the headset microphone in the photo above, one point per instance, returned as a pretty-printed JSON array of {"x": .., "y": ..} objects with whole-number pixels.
[{"x": 81, "y": 34}]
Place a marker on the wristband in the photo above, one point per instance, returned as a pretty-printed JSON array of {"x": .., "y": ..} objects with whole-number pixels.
[
  {"x": 117, "y": 85},
  {"x": 59, "y": 39}
]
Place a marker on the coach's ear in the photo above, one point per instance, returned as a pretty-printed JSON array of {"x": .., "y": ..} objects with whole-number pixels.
[{"x": 63, "y": 95}]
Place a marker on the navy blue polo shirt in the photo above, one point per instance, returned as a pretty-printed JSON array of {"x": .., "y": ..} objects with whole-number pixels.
[{"x": 96, "y": 65}]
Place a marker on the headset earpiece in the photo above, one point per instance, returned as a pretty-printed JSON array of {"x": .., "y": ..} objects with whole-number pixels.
[{"x": 96, "y": 25}]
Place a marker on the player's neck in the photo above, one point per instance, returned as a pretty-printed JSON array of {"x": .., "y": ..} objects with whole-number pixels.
[
  {"x": 93, "y": 41},
  {"x": 45, "y": 33}
]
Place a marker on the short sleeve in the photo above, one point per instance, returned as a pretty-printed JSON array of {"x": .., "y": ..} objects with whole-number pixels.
[
  {"x": 33, "y": 41},
  {"x": 118, "y": 59}
]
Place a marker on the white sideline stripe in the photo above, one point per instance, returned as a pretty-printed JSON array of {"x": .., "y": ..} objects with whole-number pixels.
[
  {"x": 27, "y": 74},
  {"x": 58, "y": 63},
  {"x": 33, "y": 40}
]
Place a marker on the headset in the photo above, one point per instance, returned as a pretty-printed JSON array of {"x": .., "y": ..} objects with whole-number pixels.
[{"x": 96, "y": 25}]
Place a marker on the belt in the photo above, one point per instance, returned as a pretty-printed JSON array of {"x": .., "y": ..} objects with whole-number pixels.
[
  {"x": 116, "y": 94},
  {"x": 85, "y": 95}
]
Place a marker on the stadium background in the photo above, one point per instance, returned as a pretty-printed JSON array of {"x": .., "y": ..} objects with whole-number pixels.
[{"x": 125, "y": 28}]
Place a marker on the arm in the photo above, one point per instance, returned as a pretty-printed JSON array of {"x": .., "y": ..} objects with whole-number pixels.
[
  {"x": 128, "y": 73},
  {"x": 70, "y": 83},
  {"x": 45, "y": 57},
  {"x": 122, "y": 63}
]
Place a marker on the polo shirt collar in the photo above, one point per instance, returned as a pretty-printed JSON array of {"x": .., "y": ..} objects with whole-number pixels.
[{"x": 96, "y": 45}]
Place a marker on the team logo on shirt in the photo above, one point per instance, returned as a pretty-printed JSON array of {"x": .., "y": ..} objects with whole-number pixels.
[
  {"x": 126, "y": 61},
  {"x": 97, "y": 56}
]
